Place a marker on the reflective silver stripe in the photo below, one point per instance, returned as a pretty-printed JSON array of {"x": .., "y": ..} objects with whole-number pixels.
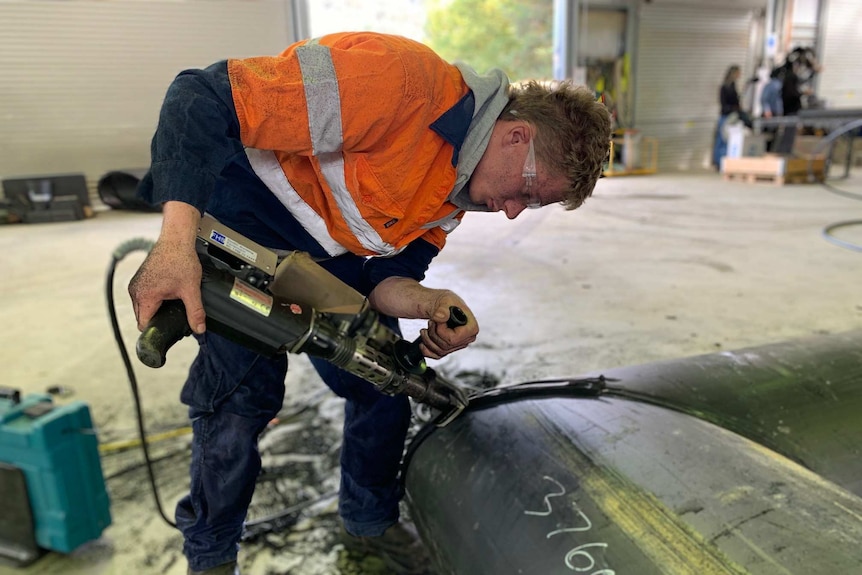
[
  {"x": 332, "y": 166},
  {"x": 321, "y": 95},
  {"x": 268, "y": 169},
  {"x": 447, "y": 224},
  {"x": 450, "y": 225},
  {"x": 324, "y": 122}
]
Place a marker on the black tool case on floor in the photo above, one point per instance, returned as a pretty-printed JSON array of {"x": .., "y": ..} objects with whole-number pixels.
[{"x": 48, "y": 198}]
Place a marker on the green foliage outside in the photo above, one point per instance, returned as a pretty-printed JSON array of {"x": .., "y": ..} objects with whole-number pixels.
[{"x": 514, "y": 35}]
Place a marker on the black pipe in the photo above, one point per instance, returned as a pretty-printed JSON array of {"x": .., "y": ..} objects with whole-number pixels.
[
  {"x": 118, "y": 190},
  {"x": 802, "y": 399},
  {"x": 674, "y": 467}
]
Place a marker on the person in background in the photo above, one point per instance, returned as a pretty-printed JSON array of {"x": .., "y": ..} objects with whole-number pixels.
[
  {"x": 798, "y": 73},
  {"x": 365, "y": 150},
  {"x": 772, "y": 105},
  {"x": 728, "y": 98},
  {"x": 770, "y": 96},
  {"x": 791, "y": 89},
  {"x": 797, "y": 92}
]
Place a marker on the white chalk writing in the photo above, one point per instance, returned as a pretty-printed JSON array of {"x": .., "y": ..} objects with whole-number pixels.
[
  {"x": 578, "y": 559},
  {"x": 548, "y": 499}
]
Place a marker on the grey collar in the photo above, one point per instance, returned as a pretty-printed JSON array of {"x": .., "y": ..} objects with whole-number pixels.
[{"x": 491, "y": 93}]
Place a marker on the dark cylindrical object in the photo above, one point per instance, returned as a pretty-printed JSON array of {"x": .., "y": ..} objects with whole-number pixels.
[
  {"x": 802, "y": 398},
  {"x": 118, "y": 190},
  {"x": 655, "y": 475},
  {"x": 409, "y": 355},
  {"x": 167, "y": 327}
]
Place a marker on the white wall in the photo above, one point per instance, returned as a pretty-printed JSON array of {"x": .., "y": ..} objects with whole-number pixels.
[
  {"x": 82, "y": 81},
  {"x": 840, "y": 81}
]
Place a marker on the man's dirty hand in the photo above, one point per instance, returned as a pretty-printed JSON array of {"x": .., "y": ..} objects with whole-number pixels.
[
  {"x": 439, "y": 339},
  {"x": 169, "y": 272}
]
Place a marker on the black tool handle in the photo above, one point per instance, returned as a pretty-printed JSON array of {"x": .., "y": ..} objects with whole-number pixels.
[
  {"x": 167, "y": 327},
  {"x": 457, "y": 317},
  {"x": 409, "y": 356}
]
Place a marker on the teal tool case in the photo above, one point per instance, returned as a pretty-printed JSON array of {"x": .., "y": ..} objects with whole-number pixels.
[{"x": 56, "y": 450}]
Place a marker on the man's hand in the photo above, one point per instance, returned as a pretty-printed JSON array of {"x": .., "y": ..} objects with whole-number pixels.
[
  {"x": 171, "y": 270},
  {"x": 438, "y": 339},
  {"x": 406, "y": 298}
]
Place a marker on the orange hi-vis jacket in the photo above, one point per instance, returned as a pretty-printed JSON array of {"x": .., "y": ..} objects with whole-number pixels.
[{"x": 340, "y": 129}]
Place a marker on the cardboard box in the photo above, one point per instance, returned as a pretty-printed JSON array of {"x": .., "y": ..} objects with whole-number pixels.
[
  {"x": 742, "y": 143},
  {"x": 805, "y": 146}
]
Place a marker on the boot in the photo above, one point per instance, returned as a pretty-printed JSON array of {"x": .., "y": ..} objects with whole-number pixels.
[
  {"x": 400, "y": 548},
  {"x": 227, "y": 569}
]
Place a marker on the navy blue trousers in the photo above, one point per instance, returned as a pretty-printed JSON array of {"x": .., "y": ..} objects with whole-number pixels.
[{"x": 232, "y": 394}]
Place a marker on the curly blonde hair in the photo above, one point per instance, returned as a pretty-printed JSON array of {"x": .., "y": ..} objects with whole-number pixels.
[{"x": 573, "y": 131}]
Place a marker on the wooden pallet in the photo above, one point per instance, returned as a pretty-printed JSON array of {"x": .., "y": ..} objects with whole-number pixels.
[
  {"x": 777, "y": 179},
  {"x": 778, "y": 170}
]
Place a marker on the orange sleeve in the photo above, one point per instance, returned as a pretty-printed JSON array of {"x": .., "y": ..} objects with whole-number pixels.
[{"x": 269, "y": 97}]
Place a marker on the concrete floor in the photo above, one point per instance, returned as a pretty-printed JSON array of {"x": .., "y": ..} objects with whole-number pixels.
[{"x": 651, "y": 268}]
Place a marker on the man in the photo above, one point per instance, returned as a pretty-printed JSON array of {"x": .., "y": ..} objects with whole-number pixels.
[{"x": 364, "y": 150}]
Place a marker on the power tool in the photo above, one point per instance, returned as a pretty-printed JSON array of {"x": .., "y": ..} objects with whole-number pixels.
[
  {"x": 291, "y": 304},
  {"x": 51, "y": 482}
]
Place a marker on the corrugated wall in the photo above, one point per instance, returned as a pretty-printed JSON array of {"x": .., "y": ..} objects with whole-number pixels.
[
  {"x": 83, "y": 81},
  {"x": 682, "y": 54},
  {"x": 840, "y": 81}
]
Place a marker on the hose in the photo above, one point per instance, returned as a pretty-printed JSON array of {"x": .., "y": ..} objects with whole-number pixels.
[
  {"x": 124, "y": 249},
  {"x": 826, "y": 144}
]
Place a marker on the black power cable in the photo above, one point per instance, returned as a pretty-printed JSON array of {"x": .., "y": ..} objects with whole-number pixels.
[
  {"x": 824, "y": 146},
  {"x": 588, "y": 387},
  {"x": 124, "y": 249}
]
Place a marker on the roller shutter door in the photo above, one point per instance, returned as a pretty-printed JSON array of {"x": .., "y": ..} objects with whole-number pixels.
[
  {"x": 840, "y": 82},
  {"x": 683, "y": 52},
  {"x": 83, "y": 81}
]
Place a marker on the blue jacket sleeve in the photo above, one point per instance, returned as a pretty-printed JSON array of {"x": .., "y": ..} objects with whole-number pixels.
[
  {"x": 412, "y": 262},
  {"x": 197, "y": 132}
]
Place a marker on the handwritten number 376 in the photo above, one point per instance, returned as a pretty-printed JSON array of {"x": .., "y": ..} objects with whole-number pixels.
[{"x": 579, "y": 553}]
